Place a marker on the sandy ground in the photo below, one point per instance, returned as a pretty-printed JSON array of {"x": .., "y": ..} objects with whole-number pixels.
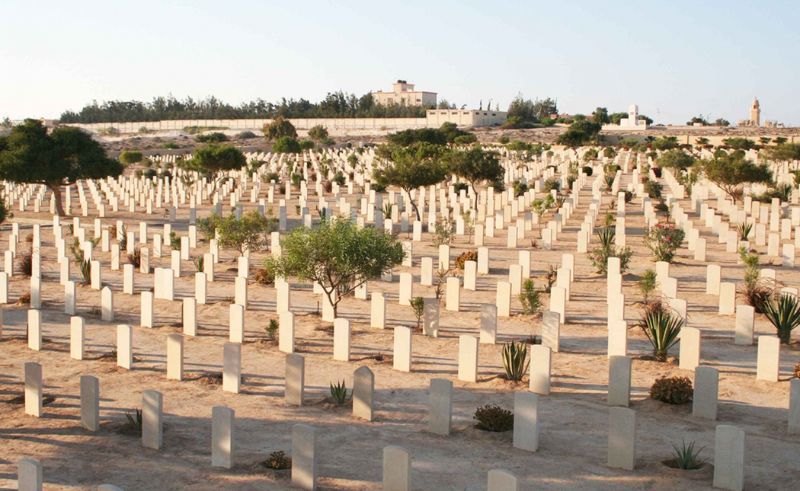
[{"x": 573, "y": 433}]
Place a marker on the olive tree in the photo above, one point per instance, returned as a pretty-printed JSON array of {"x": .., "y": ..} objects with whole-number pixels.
[
  {"x": 731, "y": 171},
  {"x": 248, "y": 233},
  {"x": 476, "y": 165},
  {"x": 338, "y": 256},
  {"x": 28, "y": 154},
  {"x": 410, "y": 168}
]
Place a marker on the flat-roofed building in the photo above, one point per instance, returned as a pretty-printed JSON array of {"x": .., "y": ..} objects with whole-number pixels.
[{"x": 403, "y": 94}]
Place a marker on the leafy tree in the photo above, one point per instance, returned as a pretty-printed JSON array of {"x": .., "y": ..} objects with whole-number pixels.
[
  {"x": 29, "y": 154},
  {"x": 600, "y": 116},
  {"x": 697, "y": 119},
  {"x": 411, "y": 167},
  {"x": 522, "y": 112},
  {"x": 286, "y": 144},
  {"x": 785, "y": 151},
  {"x": 249, "y": 233},
  {"x": 676, "y": 159},
  {"x": 338, "y": 255},
  {"x": 580, "y": 132},
  {"x": 615, "y": 118},
  {"x": 732, "y": 171},
  {"x": 278, "y": 128},
  {"x": 476, "y": 165},
  {"x": 318, "y": 133},
  {"x": 721, "y": 122},
  {"x": 130, "y": 156},
  {"x": 665, "y": 143},
  {"x": 214, "y": 158},
  {"x": 739, "y": 143},
  {"x": 443, "y": 135}
]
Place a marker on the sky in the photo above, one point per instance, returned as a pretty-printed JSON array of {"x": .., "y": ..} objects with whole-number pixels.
[{"x": 675, "y": 59}]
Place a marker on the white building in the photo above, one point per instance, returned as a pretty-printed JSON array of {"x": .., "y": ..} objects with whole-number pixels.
[
  {"x": 403, "y": 94},
  {"x": 631, "y": 123},
  {"x": 465, "y": 117}
]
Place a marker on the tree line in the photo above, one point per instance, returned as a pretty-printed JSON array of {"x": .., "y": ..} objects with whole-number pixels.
[{"x": 334, "y": 105}]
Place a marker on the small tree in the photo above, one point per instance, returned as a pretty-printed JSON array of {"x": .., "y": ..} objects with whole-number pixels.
[
  {"x": 318, "y": 133},
  {"x": 410, "y": 168},
  {"x": 338, "y": 255},
  {"x": 214, "y": 158},
  {"x": 663, "y": 240},
  {"x": 278, "y": 128},
  {"x": 676, "y": 159},
  {"x": 732, "y": 171},
  {"x": 286, "y": 144},
  {"x": 29, "y": 154},
  {"x": 475, "y": 166},
  {"x": 248, "y": 233}
]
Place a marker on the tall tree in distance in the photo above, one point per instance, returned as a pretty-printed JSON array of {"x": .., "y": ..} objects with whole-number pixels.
[
  {"x": 411, "y": 167},
  {"x": 476, "y": 165},
  {"x": 28, "y": 154}
]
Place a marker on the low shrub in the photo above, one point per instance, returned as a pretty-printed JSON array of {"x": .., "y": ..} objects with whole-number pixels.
[
  {"x": 264, "y": 276},
  {"x": 672, "y": 390},
  {"x": 215, "y": 137},
  {"x": 26, "y": 263},
  {"x": 278, "y": 461},
  {"x": 246, "y": 135},
  {"x": 272, "y": 329},
  {"x": 493, "y": 418},
  {"x": 464, "y": 257},
  {"x": 530, "y": 298}
]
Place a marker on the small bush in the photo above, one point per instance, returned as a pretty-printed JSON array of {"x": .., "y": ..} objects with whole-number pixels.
[
  {"x": 647, "y": 284},
  {"x": 653, "y": 189},
  {"x": 215, "y": 137},
  {"x": 551, "y": 184},
  {"x": 672, "y": 390},
  {"x": 135, "y": 258},
  {"x": 494, "y": 418},
  {"x": 26, "y": 263},
  {"x": 587, "y": 169},
  {"x": 272, "y": 329},
  {"x": 530, "y": 298},
  {"x": 662, "y": 328},
  {"x": 246, "y": 135},
  {"x": 515, "y": 360},
  {"x": 130, "y": 157},
  {"x": 460, "y": 186},
  {"x": 418, "y": 306},
  {"x": 278, "y": 461},
  {"x": 784, "y": 314},
  {"x": 663, "y": 240},
  {"x": 464, "y": 257},
  {"x": 264, "y": 276}
]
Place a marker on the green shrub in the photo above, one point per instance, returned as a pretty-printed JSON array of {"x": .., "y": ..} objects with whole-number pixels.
[
  {"x": 133, "y": 423},
  {"x": 551, "y": 184},
  {"x": 515, "y": 360},
  {"x": 672, "y": 390},
  {"x": 306, "y": 145},
  {"x": 663, "y": 240},
  {"x": 530, "y": 298},
  {"x": 653, "y": 189},
  {"x": 215, "y": 137},
  {"x": 130, "y": 157},
  {"x": 418, "y": 306},
  {"x": 272, "y": 329},
  {"x": 286, "y": 144},
  {"x": 493, "y": 418},
  {"x": 246, "y": 135},
  {"x": 647, "y": 284},
  {"x": 587, "y": 169}
]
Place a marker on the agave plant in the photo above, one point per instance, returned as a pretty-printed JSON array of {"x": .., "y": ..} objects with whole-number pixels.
[
  {"x": 515, "y": 360},
  {"x": 133, "y": 422},
  {"x": 662, "y": 329},
  {"x": 686, "y": 457},
  {"x": 744, "y": 231},
  {"x": 339, "y": 393},
  {"x": 784, "y": 314},
  {"x": 607, "y": 236}
]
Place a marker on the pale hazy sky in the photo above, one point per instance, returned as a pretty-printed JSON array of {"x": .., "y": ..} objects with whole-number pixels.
[{"x": 675, "y": 59}]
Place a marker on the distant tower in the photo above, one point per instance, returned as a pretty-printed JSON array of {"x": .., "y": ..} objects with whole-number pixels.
[{"x": 755, "y": 113}]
